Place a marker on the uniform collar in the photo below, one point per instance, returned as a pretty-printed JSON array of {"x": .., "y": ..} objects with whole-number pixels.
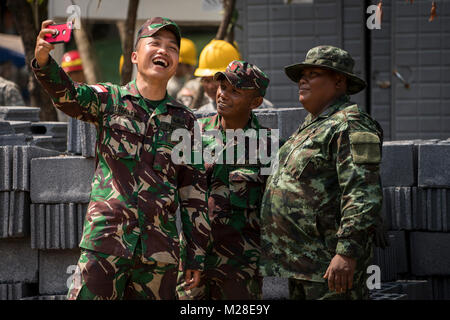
[
  {"x": 251, "y": 124},
  {"x": 336, "y": 105},
  {"x": 131, "y": 89}
]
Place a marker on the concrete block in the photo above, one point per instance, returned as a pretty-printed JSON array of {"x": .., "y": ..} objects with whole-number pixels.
[
  {"x": 16, "y": 291},
  {"x": 434, "y": 210},
  {"x": 19, "y": 113},
  {"x": 433, "y": 165},
  {"x": 21, "y": 127},
  {"x": 19, "y": 262},
  {"x": 37, "y": 213},
  {"x": 57, "y": 226},
  {"x": 13, "y": 139},
  {"x": 397, "y": 208},
  {"x": 397, "y": 165},
  {"x": 68, "y": 226},
  {"x": 14, "y": 214},
  {"x": 288, "y": 120},
  {"x": 445, "y": 210},
  {"x": 267, "y": 119},
  {"x": 441, "y": 287},
  {"x": 52, "y": 230},
  {"x": 49, "y": 182},
  {"x": 392, "y": 260},
  {"x": 419, "y": 208},
  {"x": 54, "y": 271},
  {"x": 54, "y": 129},
  {"x": 3, "y": 292},
  {"x": 49, "y": 142},
  {"x": 6, "y": 164},
  {"x": 387, "y": 208},
  {"x": 4, "y": 214},
  {"x": 19, "y": 214},
  {"x": 88, "y": 139},
  {"x": 416, "y": 289},
  {"x": 430, "y": 253},
  {"x": 22, "y": 156},
  {"x": 73, "y": 136},
  {"x": 6, "y": 128},
  {"x": 275, "y": 288},
  {"x": 402, "y": 208}
]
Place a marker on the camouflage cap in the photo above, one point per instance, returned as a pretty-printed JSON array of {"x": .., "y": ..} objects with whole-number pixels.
[
  {"x": 153, "y": 25},
  {"x": 244, "y": 75},
  {"x": 332, "y": 58}
]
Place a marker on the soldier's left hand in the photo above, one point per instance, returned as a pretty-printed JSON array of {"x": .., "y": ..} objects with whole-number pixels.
[
  {"x": 340, "y": 273},
  {"x": 192, "y": 278}
]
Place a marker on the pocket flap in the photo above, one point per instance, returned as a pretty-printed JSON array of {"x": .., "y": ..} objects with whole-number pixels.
[
  {"x": 123, "y": 123},
  {"x": 246, "y": 175}
]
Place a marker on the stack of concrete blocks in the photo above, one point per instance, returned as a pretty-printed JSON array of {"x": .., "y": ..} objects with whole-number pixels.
[
  {"x": 416, "y": 210},
  {"x": 81, "y": 138},
  {"x": 60, "y": 190},
  {"x": 26, "y": 129},
  {"x": 19, "y": 263}
]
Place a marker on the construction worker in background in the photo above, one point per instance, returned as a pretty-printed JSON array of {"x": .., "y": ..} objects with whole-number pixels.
[
  {"x": 72, "y": 65},
  {"x": 200, "y": 93},
  {"x": 185, "y": 69}
]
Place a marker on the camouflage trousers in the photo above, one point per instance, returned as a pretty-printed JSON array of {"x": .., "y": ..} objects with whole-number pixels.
[
  {"x": 229, "y": 272},
  {"x": 225, "y": 283},
  {"x": 104, "y": 277},
  {"x": 310, "y": 290}
]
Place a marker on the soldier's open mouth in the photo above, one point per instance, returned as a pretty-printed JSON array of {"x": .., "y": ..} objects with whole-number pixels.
[{"x": 160, "y": 62}]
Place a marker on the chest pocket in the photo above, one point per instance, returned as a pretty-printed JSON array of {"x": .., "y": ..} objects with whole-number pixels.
[
  {"x": 122, "y": 137},
  {"x": 246, "y": 188},
  {"x": 164, "y": 146}
]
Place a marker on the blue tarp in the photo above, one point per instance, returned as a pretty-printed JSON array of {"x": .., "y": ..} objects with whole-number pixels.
[{"x": 18, "y": 59}]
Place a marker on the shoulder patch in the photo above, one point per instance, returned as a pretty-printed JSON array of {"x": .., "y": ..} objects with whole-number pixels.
[
  {"x": 99, "y": 88},
  {"x": 365, "y": 147}
]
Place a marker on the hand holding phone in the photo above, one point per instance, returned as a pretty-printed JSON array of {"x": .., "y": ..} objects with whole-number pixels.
[
  {"x": 62, "y": 33},
  {"x": 43, "y": 47}
]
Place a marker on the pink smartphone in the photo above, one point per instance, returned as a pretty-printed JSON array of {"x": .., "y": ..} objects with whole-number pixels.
[{"x": 63, "y": 33}]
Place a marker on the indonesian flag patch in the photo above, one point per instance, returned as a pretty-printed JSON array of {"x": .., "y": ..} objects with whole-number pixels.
[{"x": 99, "y": 88}]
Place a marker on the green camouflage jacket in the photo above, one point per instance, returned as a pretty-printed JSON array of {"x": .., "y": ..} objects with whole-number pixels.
[
  {"x": 325, "y": 198},
  {"x": 136, "y": 187},
  {"x": 234, "y": 198}
]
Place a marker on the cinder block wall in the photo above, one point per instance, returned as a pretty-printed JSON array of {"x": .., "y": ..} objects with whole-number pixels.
[{"x": 275, "y": 35}]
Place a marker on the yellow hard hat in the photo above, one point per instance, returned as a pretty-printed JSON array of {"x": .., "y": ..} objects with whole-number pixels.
[
  {"x": 188, "y": 52},
  {"x": 215, "y": 57},
  {"x": 121, "y": 64}
]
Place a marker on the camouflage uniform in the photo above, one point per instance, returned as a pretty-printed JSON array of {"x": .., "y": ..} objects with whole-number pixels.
[
  {"x": 324, "y": 199},
  {"x": 10, "y": 94},
  {"x": 234, "y": 198},
  {"x": 136, "y": 187}
]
